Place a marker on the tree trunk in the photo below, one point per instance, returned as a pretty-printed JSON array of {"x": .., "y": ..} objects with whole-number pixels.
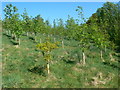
[
  {"x": 62, "y": 44},
  {"x": 101, "y": 55},
  {"x": 84, "y": 62}
]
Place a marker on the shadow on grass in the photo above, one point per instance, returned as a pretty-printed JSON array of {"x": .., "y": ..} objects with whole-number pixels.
[
  {"x": 31, "y": 38},
  {"x": 38, "y": 70},
  {"x": 69, "y": 61},
  {"x": 112, "y": 65},
  {"x": 7, "y": 35},
  {"x": 12, "y": 39},
  {"x": 14, "y": 43}
]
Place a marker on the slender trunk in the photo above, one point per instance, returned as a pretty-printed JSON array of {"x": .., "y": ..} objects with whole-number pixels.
[
  {"x": 62, "y": 44},
  {"x": 101, "y": 55},
  {"x": 48, "y": 66},
  {"x": 35, "y": 36},
  {"x": 84, "y": 62}
]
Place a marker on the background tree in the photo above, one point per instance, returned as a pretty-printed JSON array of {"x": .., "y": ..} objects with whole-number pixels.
[
  {"x": 38, "y": 25},
  {"x": 26, "y": 21},
  {"x": 9, "y": 12}
]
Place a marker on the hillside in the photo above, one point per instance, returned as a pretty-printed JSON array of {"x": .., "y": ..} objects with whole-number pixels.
[
  {"x": 23, "y": 66},
  {"x": 77, "y": 53}
]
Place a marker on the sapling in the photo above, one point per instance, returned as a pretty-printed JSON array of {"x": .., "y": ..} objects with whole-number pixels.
[
  {"x": 102, "y": 43},
  {"x": 46, "y": 49},
  {"x": 84, "y": 47},
  {"x": 82, "y": 34}
]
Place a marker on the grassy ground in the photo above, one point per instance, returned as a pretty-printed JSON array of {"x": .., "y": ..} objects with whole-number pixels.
[{"x": 24, "y": 67}]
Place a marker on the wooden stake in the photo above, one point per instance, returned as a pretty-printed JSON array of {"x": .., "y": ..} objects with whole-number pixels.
[
  {"x": 101, "y": 55},
  {"x": 84, "y": 58},
  {"x": 48, "y": 68}
]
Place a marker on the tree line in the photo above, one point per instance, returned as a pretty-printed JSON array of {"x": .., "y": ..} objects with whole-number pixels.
[{"x": 101, "y": 30}]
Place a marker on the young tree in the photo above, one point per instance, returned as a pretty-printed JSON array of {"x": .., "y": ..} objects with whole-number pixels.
[
  {"x": 46, "y": 48},
  {"x": 38, "y": 25},
  {"x": 99, "y": 40},
  {"x": 60, "y": 27},
  {"x": 10, "y": 12},
  {"x": 71, "y": 27},
  {"x": 48, "y": 27},
  {"x": 26, "y": 22},
  {"x": 109, "y": 15},
  {"x": 83, "y": 35},
  {"x": 15, "y": 24}
]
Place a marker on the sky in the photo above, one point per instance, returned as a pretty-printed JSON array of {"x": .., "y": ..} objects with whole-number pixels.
[{"x": 55, "y": 10}]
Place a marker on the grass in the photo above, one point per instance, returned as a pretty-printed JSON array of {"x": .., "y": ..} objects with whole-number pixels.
[{"x": 24, "y": 67}]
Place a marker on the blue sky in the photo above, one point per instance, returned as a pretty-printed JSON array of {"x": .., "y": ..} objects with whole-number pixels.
[{"x": 54, "y": 10}]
